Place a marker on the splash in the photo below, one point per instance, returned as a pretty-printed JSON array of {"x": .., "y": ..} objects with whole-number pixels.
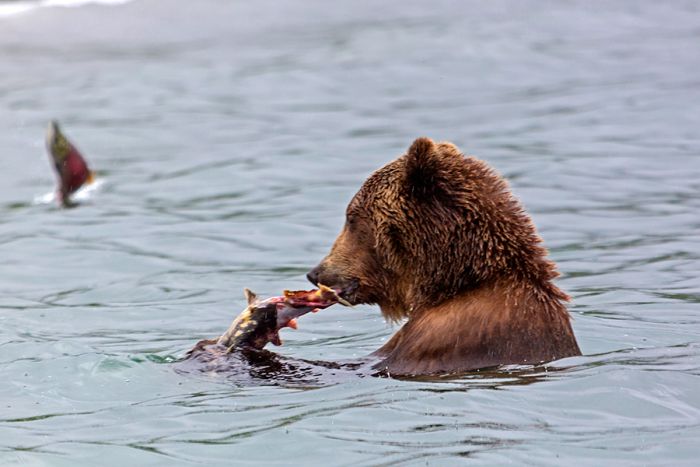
[{"x": 85, "y": 193}]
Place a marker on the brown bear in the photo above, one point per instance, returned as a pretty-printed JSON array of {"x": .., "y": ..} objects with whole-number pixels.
[{"x": 437, "y": 237}]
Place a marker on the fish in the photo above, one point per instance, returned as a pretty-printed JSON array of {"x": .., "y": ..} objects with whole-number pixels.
[
  {"x": 260, "y": 322},
  {"x": 71, "y": 168}
]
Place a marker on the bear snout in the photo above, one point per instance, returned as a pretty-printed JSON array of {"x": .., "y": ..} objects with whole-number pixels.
[
  {"x": 314, "y": 274},
  {"x": 345, "y": 286},
  {"x": 322, "y": 274}
]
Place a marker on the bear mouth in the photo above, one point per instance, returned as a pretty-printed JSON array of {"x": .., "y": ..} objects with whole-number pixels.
[
  {"x": 349, "y": 292},
  {"x": 346, "y": 288}
]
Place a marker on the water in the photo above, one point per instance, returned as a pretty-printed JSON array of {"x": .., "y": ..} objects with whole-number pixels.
[{"x": 229, "y": 138}]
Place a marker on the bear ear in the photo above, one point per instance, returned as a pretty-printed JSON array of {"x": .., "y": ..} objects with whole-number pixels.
[{"x": 423, "y": 167}]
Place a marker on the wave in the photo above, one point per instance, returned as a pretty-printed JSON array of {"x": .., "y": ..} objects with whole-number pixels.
[{"x": 12, "y": 8}]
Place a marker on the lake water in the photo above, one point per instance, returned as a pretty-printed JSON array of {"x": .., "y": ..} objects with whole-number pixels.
[{"x": 229, "y": 136}]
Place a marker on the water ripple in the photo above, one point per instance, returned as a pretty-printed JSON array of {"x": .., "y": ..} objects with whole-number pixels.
[{"x": 232, "y": 137}]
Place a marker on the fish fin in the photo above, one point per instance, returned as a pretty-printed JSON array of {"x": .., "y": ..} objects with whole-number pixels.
[
  {"x": 249, "y": 295},
  {"x": 90, "y": 178}
]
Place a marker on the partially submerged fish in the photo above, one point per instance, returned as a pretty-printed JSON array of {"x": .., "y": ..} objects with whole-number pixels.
[
  {"x": 261, "y": 321},
  {"x": 71, "y": 168}
]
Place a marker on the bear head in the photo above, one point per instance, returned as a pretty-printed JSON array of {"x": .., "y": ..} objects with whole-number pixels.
[{"x": 428, "y": 226}]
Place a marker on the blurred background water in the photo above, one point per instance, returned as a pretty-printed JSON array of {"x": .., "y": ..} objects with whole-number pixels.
[{"x": 231, "y": 135}]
